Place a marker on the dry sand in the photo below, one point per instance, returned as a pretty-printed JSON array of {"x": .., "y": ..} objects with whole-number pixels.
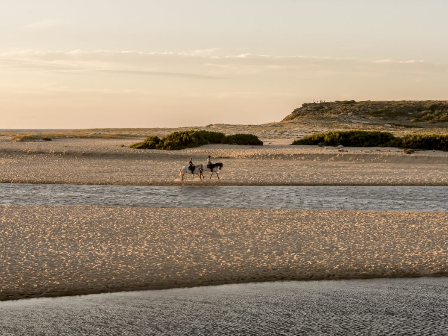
[
  {"x": 105, "y": 161},
  {"x": 51, "y": 250}
]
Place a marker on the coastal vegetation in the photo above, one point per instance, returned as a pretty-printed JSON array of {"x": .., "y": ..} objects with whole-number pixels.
[
  {"x": 347, "y": 138},
  {"x": 358, "y": 138},
  {"x": 193, "y": 138},
  {"x": 408, "y": 112},
  {"x": 34, "y": 137},
  {"x": 242, "y": 139}
]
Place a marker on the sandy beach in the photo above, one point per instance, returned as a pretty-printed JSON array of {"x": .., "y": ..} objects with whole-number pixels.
[
  {"x": 65, "y": 250},
  {"x": 52, "y": 251},
  {"x": 110, "y": 161}
]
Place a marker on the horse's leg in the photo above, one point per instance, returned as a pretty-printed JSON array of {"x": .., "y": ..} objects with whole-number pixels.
[{"x": 181, "y": 175}]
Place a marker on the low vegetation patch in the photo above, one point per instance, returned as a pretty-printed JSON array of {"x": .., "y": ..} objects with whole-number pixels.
[
  {"x": 29, "y": 138},
  {"x": 242, "y": 139},
  {"x": 422, "y": 141},
  {"x": 149, "y": 143},
  {"x": 373, "y": 139},
  {"x": 190, "y": 139},
  {"x": 347, "y": 138}
]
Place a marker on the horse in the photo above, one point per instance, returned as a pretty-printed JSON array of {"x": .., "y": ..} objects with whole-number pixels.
[
  {"x": 213, "y": 168},
  {"x": 198, "y": 170}
]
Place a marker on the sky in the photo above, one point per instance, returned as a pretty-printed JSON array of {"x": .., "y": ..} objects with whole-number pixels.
[{"x": 168, "y": 63}]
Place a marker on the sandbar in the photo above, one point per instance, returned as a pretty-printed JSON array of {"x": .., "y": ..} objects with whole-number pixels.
[{"x": 67, "y": 250}]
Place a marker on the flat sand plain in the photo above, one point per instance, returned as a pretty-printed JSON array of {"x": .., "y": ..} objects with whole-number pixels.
[
  {"x": 110, "y": 161},
  {"x": 55, "y": 250}
]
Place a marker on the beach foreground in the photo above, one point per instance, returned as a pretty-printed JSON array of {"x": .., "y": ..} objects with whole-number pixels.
[{"x": 66, "y": 250}]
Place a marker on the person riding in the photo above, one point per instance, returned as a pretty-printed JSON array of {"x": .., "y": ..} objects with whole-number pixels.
[
  {"x": 209, "y": 161},
  {"x": 191, "y": 166}
]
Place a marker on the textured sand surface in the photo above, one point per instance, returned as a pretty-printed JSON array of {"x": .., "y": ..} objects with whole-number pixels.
[
  {"x": 354, "y": 307},
  {"x": 93, "y": 161},
  {"x": 51, "y": 250}
]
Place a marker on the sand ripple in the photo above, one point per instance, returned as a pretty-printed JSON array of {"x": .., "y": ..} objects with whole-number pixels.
[
  {"x": 51, "y": 250},
  {"x": 355, "y": 307}
]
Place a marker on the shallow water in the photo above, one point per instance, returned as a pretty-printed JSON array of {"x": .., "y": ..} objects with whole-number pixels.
[
  {"x": 354, "y": 307},
  {"x": 381, "y": 198}
]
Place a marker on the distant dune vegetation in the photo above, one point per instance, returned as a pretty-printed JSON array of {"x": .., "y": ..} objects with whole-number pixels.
[{"x": 405, "y": 113}]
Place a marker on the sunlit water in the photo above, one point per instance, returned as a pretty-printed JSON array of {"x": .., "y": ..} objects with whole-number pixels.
[{"x": 381, "y": 198}]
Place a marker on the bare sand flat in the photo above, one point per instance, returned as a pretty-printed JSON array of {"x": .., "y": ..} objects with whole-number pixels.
[
  {"x": 55, "y": 250},
  {"x": 107, "y": 161}
]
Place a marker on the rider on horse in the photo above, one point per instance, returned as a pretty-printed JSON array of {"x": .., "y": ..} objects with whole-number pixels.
[
  {"x": 209, "y": 161},
  {"x": 191, "y": 166}
]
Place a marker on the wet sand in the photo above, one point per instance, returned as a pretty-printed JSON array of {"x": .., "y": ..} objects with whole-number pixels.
[
  {"x": 354, "y": 307},
  {"x": 99, "y": 161},
  {"x": 55, "y": 250}
]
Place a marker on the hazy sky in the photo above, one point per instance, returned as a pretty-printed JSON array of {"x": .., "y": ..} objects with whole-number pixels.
[{"x": 143, "y": 63}]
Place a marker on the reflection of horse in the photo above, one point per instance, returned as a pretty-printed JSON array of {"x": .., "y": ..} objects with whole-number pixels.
[
  {"x": 198, "y": 170},
  {"x": 213, "y": 168}
]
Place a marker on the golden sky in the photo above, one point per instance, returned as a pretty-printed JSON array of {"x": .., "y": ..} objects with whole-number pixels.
[{"x": 83, "y": 64}]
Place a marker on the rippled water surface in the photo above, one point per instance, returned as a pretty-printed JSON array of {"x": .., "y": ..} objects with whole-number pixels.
[
  {"x": 354, "y": 307},
  {"x": 384, "y": 198}
]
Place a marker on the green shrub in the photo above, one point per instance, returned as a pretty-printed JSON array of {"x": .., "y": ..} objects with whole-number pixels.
[
  {"x": 242, "y": 139},
  {"x": 150, "y": 143},
  {"x": 347, "y": 138},
  {"x": 314, "y": 139},
  {"x": 371, "y": 139},
  {"x": 180, "y": 140},
  {"x": 190, "y": 139},
  {"x": 422, "y": 141}
]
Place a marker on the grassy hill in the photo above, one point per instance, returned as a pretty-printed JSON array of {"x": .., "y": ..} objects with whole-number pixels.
[{"x": 418, "y": 114}]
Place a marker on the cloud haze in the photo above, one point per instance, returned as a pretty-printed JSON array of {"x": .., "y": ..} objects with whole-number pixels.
[
  {"x": 130, "y": 67},
  {"x": 43, "y": 24}
]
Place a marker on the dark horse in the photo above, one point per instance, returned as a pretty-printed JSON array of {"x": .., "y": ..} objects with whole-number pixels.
[{"x": 213, "y": 168}]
